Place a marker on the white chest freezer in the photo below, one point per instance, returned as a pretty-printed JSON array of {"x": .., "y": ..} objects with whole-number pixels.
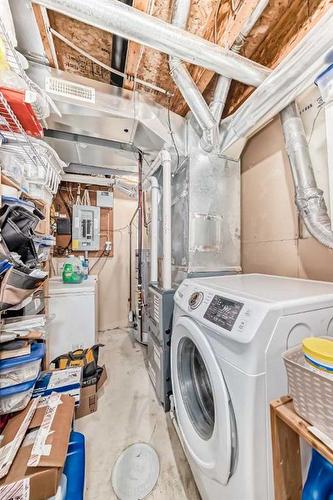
[{"x": 75, "y": 310}]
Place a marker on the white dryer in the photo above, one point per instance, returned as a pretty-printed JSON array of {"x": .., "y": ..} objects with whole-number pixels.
[{"x": 228, "y": 336}]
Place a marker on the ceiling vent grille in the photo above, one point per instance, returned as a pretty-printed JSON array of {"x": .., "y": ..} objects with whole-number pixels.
[{"x": 69, "y": 89}]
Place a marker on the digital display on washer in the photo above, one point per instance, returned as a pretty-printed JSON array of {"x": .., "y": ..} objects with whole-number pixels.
[{"x": 223, "y": 312}]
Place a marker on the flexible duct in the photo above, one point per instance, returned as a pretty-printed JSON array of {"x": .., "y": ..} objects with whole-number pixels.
[
  {"x": 223, "y": 83},
  {"x": 120, "y": 19},
  {"x": 309, "y": 198},
  {"x": 187, "y": 86}
]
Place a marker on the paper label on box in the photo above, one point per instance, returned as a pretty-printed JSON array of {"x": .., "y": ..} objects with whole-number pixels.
[
  {"x": 20, "y": 490},
  {"x": 64, "y": 377},
  {"x": 40, "y": 447}
]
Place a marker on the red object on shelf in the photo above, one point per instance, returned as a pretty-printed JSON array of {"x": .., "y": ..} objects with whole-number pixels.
[{"x": 23, "y": 112}]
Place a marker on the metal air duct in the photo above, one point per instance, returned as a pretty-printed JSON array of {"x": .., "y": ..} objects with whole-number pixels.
[
  {"x": 296, "y": 72},
  {"x": 187, "y": 86},
  {"x": 309, "y": 198},
  {"x": 223, "y": 83},
  {"x": 122, "y": 20}
]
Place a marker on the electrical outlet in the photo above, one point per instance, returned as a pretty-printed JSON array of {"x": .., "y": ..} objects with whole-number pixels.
[{"x": 108, "y": 246}]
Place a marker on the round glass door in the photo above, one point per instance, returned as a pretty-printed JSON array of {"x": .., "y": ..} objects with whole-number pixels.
[{"x": 195, "y": 387}]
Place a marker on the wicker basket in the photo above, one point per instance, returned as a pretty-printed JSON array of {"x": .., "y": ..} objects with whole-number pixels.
[{"x": 312, "y": 392}]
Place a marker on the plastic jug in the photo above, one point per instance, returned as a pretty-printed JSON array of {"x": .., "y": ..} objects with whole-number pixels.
[
  {"x": 72, "y": 271},
  {"x": 319, "y": 483}
]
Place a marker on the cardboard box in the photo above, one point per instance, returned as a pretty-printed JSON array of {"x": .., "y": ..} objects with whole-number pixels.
[
  {"x": 89, "y": 397},
  {"x": 66, "y": 381},
  {"x": 35, "y": 465}
]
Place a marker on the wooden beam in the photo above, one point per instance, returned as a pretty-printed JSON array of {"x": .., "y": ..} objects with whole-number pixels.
[
  {"x": 134, "y": 49},
  {"x": 281, "y": 40},
  {"x": 96, "y": 42},
  {"x": 229, "y": 26},
  {"x": 286, "y": 457},
  {"x": 47, "y": 40}
]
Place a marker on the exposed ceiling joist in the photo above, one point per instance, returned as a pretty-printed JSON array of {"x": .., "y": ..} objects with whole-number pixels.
[
  {"x": 295, "y": 19},
  {"x": 223, "y": 28},
  {"x": 134, "y": 50},
  {"x": 280, "y": 27},
  {"x": 47, "y": 40}
]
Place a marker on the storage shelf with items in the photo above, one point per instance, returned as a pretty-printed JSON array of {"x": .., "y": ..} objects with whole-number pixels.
[
  {"x": 14, "y": 78},
  {"x": 30, "y": 175},
  {"x": 305, "y": 413}
]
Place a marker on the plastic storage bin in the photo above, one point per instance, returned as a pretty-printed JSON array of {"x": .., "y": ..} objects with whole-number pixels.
[
  {"x": 43, "y": 245},
  {"x": 75, "y": 467},
  {"x": 16, "y": 397},
  {"x": 22, "y": 369},
  {"x": 319, "y": 483},
  {"x": 311, "y": 391},
  {"x": 40, "y": 192},
  {"x": 11, "y": 166}
]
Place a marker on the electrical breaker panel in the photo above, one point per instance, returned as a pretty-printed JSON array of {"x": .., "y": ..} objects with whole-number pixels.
[{"x": 85, "y": 228}]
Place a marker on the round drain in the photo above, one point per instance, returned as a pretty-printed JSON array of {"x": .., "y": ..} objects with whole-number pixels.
[{"x": 135, "y": 472}]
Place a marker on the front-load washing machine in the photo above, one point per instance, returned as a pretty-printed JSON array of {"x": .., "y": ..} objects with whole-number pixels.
[{"x": 228, "y": 336}]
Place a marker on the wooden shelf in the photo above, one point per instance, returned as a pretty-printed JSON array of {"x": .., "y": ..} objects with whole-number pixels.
[{"x": 287, "y": 428}]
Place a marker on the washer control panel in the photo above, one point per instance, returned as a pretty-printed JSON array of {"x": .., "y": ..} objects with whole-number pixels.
[{"x": 223, "y": 312}]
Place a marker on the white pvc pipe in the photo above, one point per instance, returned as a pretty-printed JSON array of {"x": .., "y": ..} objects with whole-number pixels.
[
  {"x": 122, "y": 20},
  {"x": 155, "y": 191},
  {"x": 166, "y": 165}
]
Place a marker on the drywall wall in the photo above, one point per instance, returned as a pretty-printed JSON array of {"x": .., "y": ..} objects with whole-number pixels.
[
  {"x": 113, "y": 273},
  {"x": 273, "y": 240}
]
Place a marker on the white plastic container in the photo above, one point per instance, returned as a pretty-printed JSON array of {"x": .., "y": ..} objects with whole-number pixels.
[
  {"x": 22, "y": 369},
  {"x": 40, "y": 192},
  {"x": 11, "y": 166},
  {"x": 16, "y": 397},
  {"x": 312, "y": 391}
]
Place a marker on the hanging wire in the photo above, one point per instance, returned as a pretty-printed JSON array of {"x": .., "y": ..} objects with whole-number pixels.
[
  {"x": 172, "y": 134},
  {"x": 315, "y": 120}
]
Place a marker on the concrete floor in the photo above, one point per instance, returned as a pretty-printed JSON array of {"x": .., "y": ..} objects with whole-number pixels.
[{"x": 128, "y": 412}]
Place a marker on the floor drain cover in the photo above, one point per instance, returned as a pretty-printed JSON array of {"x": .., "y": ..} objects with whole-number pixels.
[{"x": 135, "y": 472}]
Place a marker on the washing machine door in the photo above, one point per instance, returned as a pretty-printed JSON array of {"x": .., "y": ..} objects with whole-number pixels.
[{"x": 203, "y": 407}]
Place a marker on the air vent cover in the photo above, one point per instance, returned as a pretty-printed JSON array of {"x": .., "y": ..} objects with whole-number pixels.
[{"x": 66, "y": 88}]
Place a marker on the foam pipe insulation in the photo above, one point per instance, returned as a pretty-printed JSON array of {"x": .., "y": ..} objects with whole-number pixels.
[
  {"x": 309, "y": 198},
  {"x": 123, "y": 20}
]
